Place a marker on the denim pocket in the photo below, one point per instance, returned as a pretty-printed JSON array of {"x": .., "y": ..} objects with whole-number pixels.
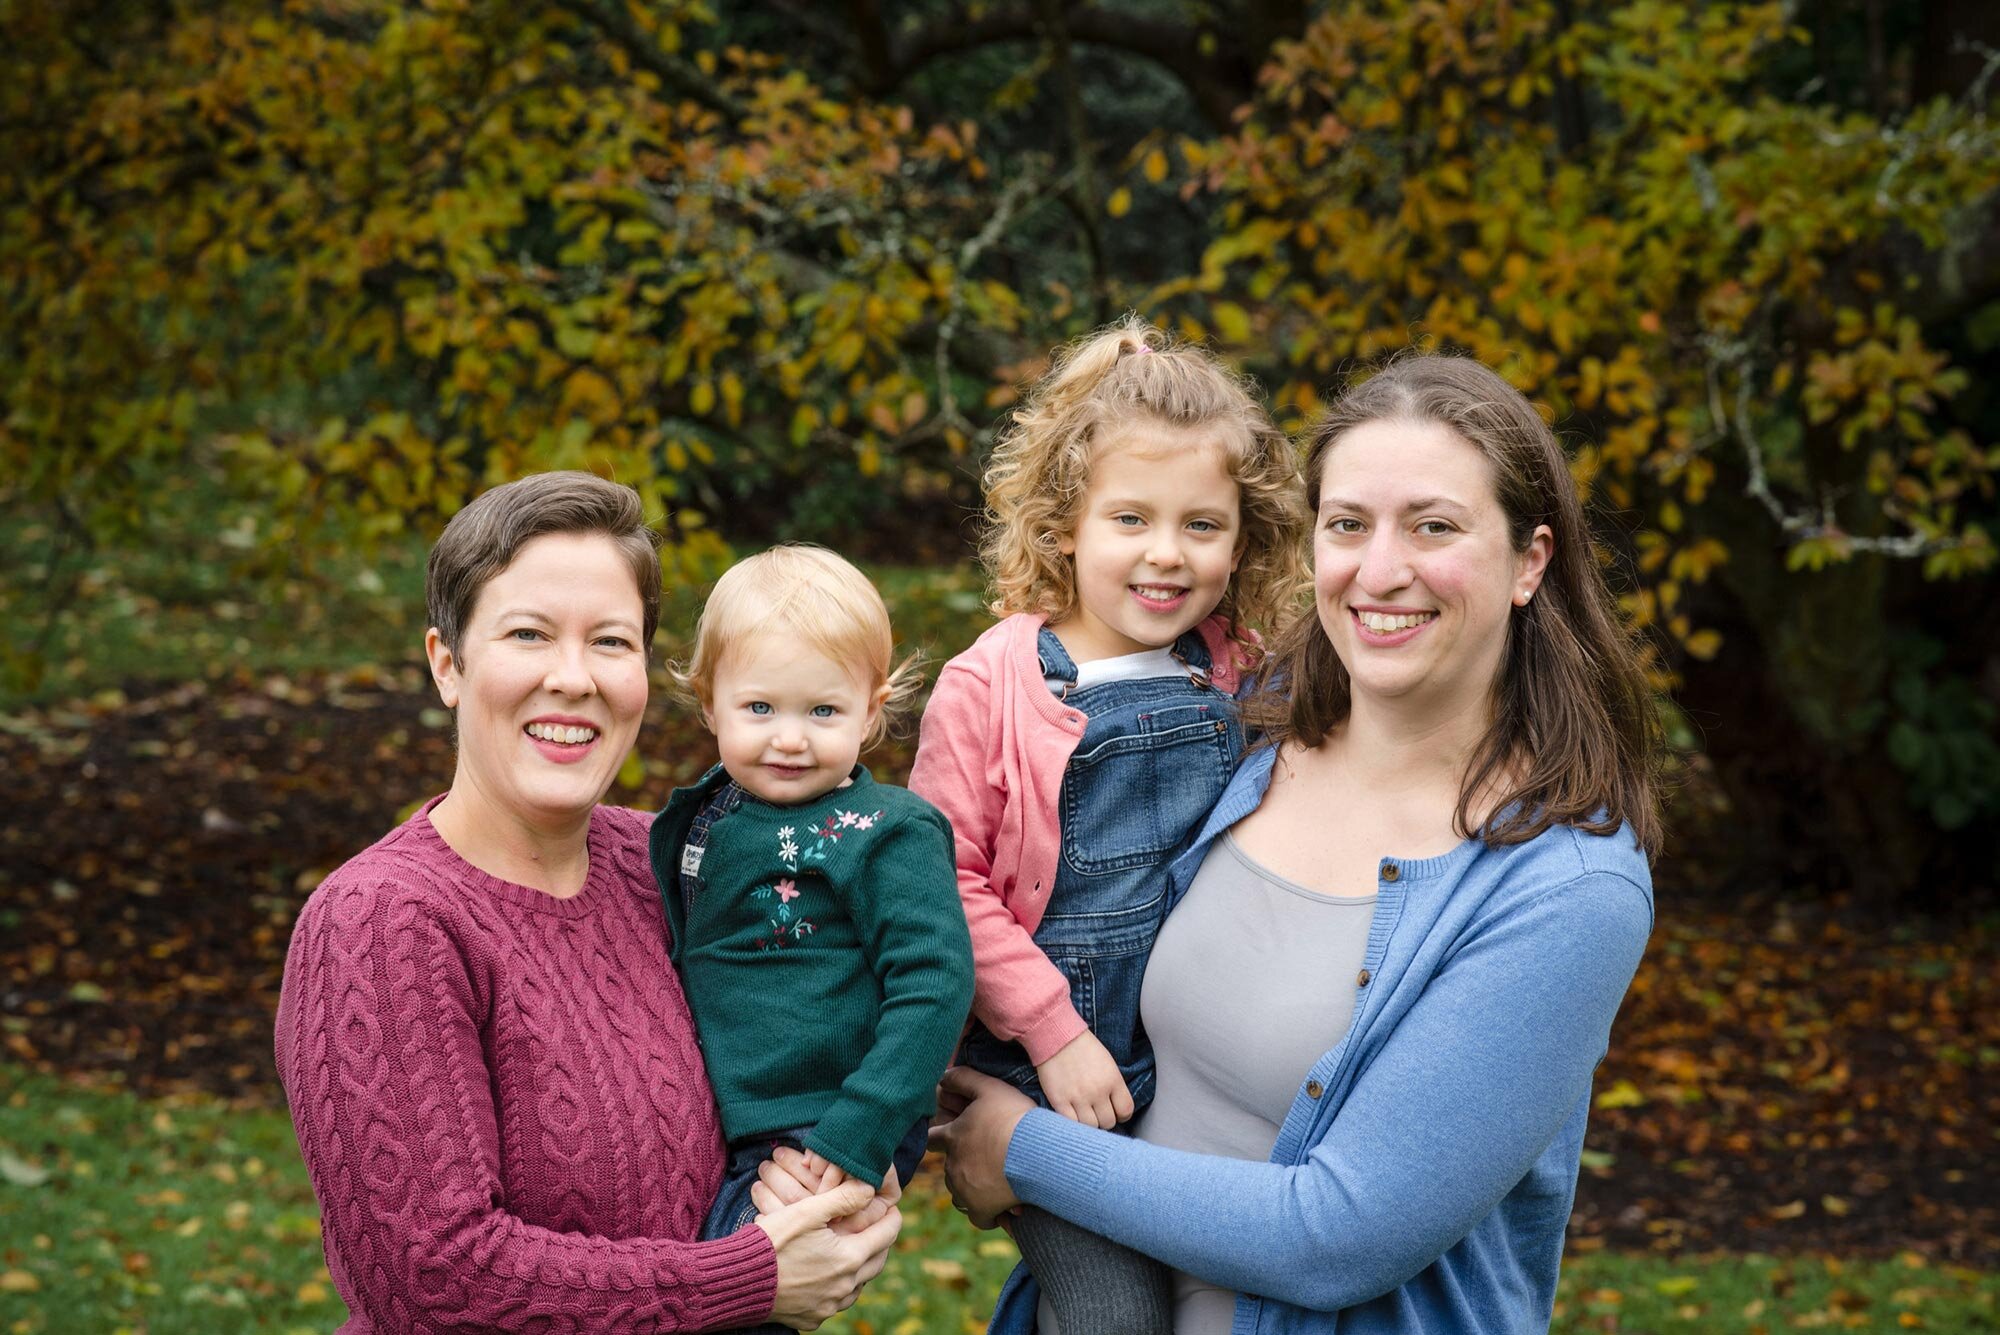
[{"x": 1132, "y": 799}]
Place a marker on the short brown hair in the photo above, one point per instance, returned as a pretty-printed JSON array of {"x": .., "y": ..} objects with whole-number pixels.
[
  {"x": 1573, "y": 713},
  {"x": 484, "y": 538},
  {"x": 1040, "y": 470},
  {"x": 810, "y": 595}
]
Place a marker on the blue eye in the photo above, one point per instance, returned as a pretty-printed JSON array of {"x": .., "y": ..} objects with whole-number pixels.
[
  {"x": 524, "y": 634},
  {"x": 1205, "y": 526},
  {"x": 822, "y": 711},
  {"x": 758, "y": 707},
  {"x": 1128, "y": 521}
]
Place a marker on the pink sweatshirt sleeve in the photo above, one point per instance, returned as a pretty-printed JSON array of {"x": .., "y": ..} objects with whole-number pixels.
[
  {"x": 381, "y": 1059},
  {"x": 962, "y": 769}
]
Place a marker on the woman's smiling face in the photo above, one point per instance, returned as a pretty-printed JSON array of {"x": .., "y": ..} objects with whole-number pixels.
[
  {"x": 1414, "y": 574},
  {"x": 550, "y": 678}
]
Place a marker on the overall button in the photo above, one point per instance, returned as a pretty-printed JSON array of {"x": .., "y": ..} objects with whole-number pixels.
[
  {"x": 1391, "y": 872},
  {"x": 1361, "y": 980},
  {"x": 1314, "y": 1089}
]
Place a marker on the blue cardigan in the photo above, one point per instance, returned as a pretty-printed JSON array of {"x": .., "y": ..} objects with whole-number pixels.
[{"x": 1423, "y": 1178}]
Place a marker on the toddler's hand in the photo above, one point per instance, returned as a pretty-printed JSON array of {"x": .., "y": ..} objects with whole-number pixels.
[
  {"x": 1083, "y": 1084},
  {"x": 831, "y": 1175}
]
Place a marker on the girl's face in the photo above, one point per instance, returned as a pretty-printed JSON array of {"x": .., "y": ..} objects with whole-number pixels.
[
  {"x": 788, "y": 721},
  {"x": 1156, "y": 539},
  {"x": 550, "y": 679},
  {"x": 1414, "y": 575}
]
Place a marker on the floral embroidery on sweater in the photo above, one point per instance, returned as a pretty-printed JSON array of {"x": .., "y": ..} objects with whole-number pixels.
[
  {"x": 824, "y": 836},
  {"x": 788, "y": 925}
]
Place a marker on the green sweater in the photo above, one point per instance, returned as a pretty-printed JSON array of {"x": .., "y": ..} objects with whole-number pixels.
[{"x": 825, "y": 957}]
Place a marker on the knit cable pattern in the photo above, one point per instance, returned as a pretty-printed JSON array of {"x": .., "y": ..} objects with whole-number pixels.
[{"x": 500, "y": 1100}]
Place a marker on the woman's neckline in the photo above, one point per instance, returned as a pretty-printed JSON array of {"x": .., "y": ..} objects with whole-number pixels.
[{"x": 585, "y": 900}]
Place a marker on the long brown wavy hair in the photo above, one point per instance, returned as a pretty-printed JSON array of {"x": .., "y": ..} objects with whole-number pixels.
[
  {"x": 1576, "y": 736},
  {"x": 1040, "y": 470}
]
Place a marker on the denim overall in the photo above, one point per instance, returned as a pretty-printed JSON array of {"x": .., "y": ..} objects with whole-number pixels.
[{"x": 1155, "y": 754}]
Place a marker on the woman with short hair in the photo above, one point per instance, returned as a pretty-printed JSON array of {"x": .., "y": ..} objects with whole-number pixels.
[
  {"x": 490, "y": 1063},
  {"x": 1398, "y": 943}
]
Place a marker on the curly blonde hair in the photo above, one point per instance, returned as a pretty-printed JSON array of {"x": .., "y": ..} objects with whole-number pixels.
[
  {"x": 1040, "y": 470},
  {"x": 810, "y": 594}
]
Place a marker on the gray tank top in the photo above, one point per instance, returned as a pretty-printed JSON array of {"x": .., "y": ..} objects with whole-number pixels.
[{"x": 1253, "y": 978}]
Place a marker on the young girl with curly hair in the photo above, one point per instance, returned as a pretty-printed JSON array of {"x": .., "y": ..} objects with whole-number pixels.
[{"x": 1144, "y": 517}]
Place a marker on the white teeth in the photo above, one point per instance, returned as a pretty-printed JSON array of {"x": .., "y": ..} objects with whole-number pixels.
[
  {"x": 555, "y": 732},
  {"x": 1159, "y": 593},
  {"x": 1381, "y": 622}
]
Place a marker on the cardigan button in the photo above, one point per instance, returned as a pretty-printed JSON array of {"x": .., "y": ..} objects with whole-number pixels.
[
  {"x": 1314, "y": 1089},
  {"x": 1361, "y": 979},
  {"x": 1391, "y": 872}
]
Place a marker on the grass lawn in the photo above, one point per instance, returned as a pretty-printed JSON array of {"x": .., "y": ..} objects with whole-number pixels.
[{"x": 156, "y": 1217}]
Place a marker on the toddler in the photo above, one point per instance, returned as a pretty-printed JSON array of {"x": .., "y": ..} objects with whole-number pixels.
[
  {"x": 812, "y": 911},
  {"x": 1143, "y": 514}
]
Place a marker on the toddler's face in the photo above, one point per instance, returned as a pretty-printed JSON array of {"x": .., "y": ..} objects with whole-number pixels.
[
  {"x": 787, "y": 719},
  {"x": 1157, "y": 538}
]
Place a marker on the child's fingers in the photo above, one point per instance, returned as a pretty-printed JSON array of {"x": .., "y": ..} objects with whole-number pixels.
[
  {"x": 1121, "y": 1102},
  {"x": 792, "y": 1164},
  {"x": 783, "y": 1187},
  {"x": 832, "y": 1177}
]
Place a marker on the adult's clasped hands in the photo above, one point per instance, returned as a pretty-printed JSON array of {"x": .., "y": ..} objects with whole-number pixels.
[{"x": 829, "y": 1243}]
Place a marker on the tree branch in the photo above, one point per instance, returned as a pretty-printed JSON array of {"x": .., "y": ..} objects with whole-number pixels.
[{"x": 1800, "y": 526}]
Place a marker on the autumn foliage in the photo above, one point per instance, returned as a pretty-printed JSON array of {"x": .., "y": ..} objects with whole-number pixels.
[{"x": 349, "y": 261}]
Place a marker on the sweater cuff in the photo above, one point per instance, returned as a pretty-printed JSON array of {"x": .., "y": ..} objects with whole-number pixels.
[
  {"x": 1050, "y": 1034},
  {"x": 737, "y": 1284},
  {"x": 1058, "y": 1164}
]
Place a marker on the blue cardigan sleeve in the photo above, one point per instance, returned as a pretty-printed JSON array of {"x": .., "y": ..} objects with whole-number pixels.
[{"x": 1468, "y": 1091}]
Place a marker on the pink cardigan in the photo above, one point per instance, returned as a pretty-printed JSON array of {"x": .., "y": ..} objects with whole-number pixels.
[{"x": 991, "y": 754}]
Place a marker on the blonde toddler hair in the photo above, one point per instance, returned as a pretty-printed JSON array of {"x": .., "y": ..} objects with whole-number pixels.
[
  {"x": 809, "y": 593},
  {"x": 1040, "y": 470}
]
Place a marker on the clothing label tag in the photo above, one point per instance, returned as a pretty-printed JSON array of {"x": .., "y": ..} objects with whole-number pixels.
[{"x": 691, "y": 860}]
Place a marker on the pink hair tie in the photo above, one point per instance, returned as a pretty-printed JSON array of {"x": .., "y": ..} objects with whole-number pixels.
[{"x": 1143, "y": 350}]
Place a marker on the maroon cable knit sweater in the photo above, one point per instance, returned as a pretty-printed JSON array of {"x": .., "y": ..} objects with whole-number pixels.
[{"x": 500, "y": 1100}]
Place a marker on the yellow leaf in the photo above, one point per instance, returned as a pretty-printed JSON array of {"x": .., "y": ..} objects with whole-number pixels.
[
  {"x": 1789, "y": 1210},
  {"x": 1624, "y": 1094},
  {"x": 702, "y": 398},
  {"x": 1155, "y": 166},
  {"x": 1119, "y": 203},
  {"x": 1677, "y": 1285},
  {"x": 633, "y": 772},
  {"x": 19, "y": 1281},
  {"x": 312, "y": 1291},
  {"x": 1231, "y": 321},
  {"x": 1704, "y": 644}
]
